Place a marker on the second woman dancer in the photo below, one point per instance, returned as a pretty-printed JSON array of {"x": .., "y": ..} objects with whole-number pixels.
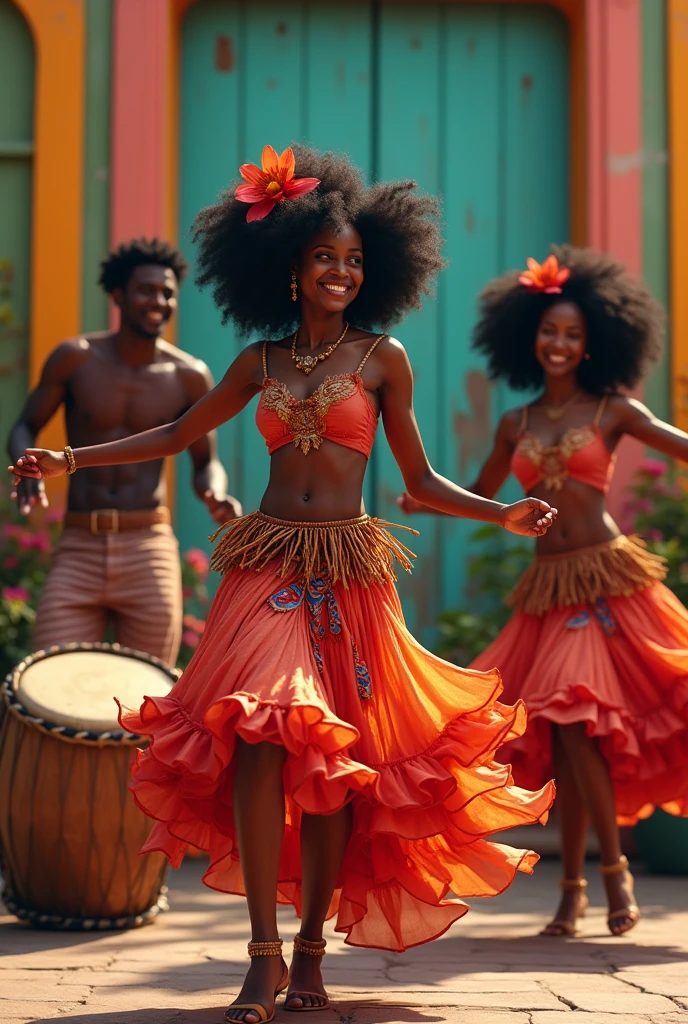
[
  {"x": 598, "y": 646},
  {"x": 313, "y": 747}
]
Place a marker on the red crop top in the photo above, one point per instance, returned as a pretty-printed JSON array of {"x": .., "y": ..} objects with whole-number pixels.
[
  {"x": 339, "y": 410},
  {"x": 580, "y": 455}
]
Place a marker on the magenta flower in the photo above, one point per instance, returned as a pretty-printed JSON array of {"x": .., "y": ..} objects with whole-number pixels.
[
  {"x": 11, "y": 562},
  {"x": 16, "y": 595},
  {"x": 198, "y": 561},
  {"x": 190, "y": 639},
  {"x": 653, "y": 467}
]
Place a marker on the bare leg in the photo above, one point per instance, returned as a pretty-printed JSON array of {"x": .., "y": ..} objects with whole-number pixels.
[
  {"x": 259, "y": 823},
  {"x": 323, "y": 844},
  {"x": 594, "y": 782},
  {"x": 573, "y": 822}
]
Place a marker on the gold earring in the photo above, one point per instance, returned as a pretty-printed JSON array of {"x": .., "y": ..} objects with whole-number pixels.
[
  {"x": 294, "y": 286},
  {"x": 586, "y": 356}
]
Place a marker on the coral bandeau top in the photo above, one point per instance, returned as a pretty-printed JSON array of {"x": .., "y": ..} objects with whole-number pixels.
[
  {"x": 580, "y": 455},
  {"x": 339, "y": 410}
]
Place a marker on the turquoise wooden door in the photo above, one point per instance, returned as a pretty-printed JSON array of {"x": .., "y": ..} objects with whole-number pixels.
[
  {"x": 16, "y": 160},
  {"x": 472, "y": 102}
]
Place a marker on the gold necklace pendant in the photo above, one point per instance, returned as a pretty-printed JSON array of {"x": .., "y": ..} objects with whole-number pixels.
[
  {"x": 308, "y": 363},
  {"x": 556, "y": 412}
]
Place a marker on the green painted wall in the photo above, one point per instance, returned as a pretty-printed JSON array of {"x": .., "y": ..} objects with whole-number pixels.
[
  {"x": 656, "y": 186},
  {"x": 96, "y": 228},
  {"x": 17, "y": 66},
  {"x": 469, "y": 100}
]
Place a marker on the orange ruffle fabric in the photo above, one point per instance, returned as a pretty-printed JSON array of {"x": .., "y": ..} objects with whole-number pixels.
[
  {"x": 623, "y": 670},
  {"x": 367, "y": 716}
]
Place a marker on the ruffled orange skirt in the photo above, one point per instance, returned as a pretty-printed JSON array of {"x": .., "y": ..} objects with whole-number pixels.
[
  {"x": 617, "y": 663},
  {"x": 329, "y": 672}
]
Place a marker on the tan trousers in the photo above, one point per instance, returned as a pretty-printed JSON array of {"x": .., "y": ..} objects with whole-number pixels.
[{"x": 132, "y": 579}]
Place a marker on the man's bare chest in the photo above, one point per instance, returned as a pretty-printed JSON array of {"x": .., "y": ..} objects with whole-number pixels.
[{"x": 112, "y": 397}]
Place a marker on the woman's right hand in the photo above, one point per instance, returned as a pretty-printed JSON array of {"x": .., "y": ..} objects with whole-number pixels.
[{"x": 39, "y": 464}]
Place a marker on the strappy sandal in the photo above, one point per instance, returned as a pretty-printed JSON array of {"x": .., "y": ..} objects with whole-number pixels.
[
  {"x": 261, "y": 949},
  {"x": 632, "y": 911},
  {"x": 311, "y": 949},
  {"x": 568, "y": 929}
]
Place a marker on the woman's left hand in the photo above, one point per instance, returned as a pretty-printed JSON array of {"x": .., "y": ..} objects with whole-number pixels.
[{"x": 529, "y": 517}]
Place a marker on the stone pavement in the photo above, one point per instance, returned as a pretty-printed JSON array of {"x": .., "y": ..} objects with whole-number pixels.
[{"x": 489, "y": 969}]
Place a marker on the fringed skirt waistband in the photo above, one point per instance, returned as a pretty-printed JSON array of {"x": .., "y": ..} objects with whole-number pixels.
[
  {"x": 360, "y": 549},
  {"x": 616, "y": 568}
]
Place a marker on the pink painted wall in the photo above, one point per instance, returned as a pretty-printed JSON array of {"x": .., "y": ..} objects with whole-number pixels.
[
  {"x": 615, "y": 158},
  {"x": 140, "y": 202}
]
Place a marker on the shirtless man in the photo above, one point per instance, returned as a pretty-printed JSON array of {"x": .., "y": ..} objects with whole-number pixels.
[{"x": 118, "y": 557}]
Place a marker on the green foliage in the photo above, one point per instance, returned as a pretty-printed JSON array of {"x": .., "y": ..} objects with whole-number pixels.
[{"x": 492, "y": 573}]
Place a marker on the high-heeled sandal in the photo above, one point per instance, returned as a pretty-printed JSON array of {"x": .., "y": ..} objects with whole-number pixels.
[
  {"x": 568, "y": 928},
  {"x": 311, "y": 949},
  {"x": 632, "y": 911},
  {"x": 261, "y": 949}
]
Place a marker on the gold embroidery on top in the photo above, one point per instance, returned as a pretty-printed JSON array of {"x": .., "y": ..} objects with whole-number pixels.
[
  {"x": 553, "y": 462},
  {"x": 305, "y": 417}
]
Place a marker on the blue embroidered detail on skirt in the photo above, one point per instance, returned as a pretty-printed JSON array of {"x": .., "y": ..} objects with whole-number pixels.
[
  {"x": 602, "y": 613},
  {"x": 321, "y": 602}
]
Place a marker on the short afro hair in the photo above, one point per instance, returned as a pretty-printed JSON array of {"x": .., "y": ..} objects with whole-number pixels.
[
  {"x": 120, "y": 264},
  {"x": 625, "y": 324},
  {"x": 248, "y": 265}
]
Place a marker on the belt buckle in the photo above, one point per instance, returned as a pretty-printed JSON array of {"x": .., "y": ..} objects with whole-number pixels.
[{"x": 114, "y": 515}]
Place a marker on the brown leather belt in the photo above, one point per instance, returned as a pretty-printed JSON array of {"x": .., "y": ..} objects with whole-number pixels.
[{"x": 111, "y": 520}]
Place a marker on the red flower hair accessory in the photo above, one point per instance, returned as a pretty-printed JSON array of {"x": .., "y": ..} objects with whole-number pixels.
[
  {"x": 546, "y": 278},
  {"x": 272, "y": 183}
]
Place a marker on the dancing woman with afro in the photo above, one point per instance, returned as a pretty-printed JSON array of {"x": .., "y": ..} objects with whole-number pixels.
[
  {"x": 598, "y": 646},
  {"x": 320, "y": 755}
]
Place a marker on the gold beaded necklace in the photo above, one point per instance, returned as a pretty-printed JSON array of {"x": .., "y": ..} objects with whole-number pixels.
[{"x": 309, "y": 363}]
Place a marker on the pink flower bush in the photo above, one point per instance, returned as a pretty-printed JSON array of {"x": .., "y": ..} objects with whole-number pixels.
[
  {"x": 653, "y": 467},
  {"x": 198, "y": 561},
  {"x": 190, "y": 639}
]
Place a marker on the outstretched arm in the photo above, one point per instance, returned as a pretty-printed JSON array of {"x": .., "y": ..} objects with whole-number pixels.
[
  {"x": 530, "y": 516},
  {"x": 636, "y": 420},
  {"x": 234, "y": 391},
  {"x": 494, "y": 472}
]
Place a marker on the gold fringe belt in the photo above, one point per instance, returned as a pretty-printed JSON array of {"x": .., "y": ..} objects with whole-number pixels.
[
  {"x": 360, "y": 549},
  {"x": 616, "y": 568}
]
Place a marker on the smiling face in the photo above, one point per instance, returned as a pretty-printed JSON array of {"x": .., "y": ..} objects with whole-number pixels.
[
  {"x": 561, "y": 339},
  {"x": 331, "y": 271},
  {"x": 149, "y": 299}
]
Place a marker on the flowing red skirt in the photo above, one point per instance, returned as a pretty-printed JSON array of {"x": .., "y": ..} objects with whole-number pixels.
[
  {"x": 365, "y": 715},
  {"x": 620, "y": 666}
]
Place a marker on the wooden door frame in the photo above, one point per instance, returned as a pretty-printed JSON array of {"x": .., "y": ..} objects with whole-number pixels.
[
  {"x": 677, "y": 39},
  {"x": 605, "y": 124}
]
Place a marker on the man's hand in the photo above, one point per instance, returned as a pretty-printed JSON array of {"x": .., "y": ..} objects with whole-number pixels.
[
  {"x": 529, "y": 517},
  {"x": 28, "y": 494},
  {"x": 222, "y": 508}
]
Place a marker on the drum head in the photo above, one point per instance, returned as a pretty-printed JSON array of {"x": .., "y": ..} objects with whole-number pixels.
[{"x": 77, "y": 688}]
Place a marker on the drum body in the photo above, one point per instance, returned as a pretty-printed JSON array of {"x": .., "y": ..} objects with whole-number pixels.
[{"x": 70, "y": 832}]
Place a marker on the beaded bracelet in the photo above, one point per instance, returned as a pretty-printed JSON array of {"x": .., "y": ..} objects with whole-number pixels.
[{"x": 71, "y": 461}]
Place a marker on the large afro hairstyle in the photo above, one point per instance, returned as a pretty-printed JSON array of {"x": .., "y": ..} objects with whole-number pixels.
[
  {"x": 625, "y": 324},
  {"x": 248, "y": 266},
  {"x": 120, "y": 264}
]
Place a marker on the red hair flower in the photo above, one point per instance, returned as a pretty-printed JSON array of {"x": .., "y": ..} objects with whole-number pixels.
[
  {"x": 270, "y": 185},
  {"x": 546, "y": 278}
]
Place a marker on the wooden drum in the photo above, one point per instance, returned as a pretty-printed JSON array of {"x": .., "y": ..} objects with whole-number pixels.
[{"x": 70, "y": 832}]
